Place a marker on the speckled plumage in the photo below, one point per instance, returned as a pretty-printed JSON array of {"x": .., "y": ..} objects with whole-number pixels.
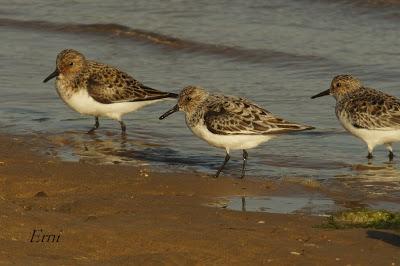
[
  {"x": 98, "y": 89},
  {"x": 110, "y": 85},
  {"x": 229, "y": 115},
  {"x": 229, "y": 122},
  {"x": 370, "y": 109},
  {"x": 367, "y": 113}
]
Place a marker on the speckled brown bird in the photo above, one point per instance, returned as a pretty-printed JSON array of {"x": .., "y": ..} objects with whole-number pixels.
[
  {"x": 229, "y": 122},
  {"x": 96, "y": 89},
  {"x": 368, "y": 114}
]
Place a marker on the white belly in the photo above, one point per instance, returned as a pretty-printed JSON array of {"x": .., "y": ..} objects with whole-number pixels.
[
  {"x": 230, "y": 142},
  {"x": 83, "y": 103},
  {"x": 372, "y": 137}
]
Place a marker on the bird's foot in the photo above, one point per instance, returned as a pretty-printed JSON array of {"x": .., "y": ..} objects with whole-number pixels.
[
  {"x": 92, "y": 131},
  {"x": 96, "y": 126},
  {"x": 243, "y": 175}
]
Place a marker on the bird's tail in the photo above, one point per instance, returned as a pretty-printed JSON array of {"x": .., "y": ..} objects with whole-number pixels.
[
  {"x": 305, "y": 127},
  {"x": 172, "y": 95},
  {"x": 288, "y": 127}
]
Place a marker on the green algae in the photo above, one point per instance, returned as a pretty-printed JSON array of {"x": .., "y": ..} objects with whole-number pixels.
[{"x": 364, "y": 218}]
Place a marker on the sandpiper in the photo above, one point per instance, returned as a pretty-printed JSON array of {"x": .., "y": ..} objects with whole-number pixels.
[
  {"x": 368, "y": 114},
  {"x": 229, "y": 122},
  {"x": 96, "y": 89}
]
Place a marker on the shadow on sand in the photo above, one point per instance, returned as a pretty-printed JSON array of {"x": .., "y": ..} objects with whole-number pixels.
[{"x": 387, "y": 237}]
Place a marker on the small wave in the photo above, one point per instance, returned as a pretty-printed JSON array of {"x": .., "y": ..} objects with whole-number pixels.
[
  {"x": 368, "y": 3},
  {"x": 120, "y": 31},
  {"x": 377, "y": 3}
]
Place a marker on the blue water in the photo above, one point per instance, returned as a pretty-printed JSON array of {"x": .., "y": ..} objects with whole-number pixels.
[{"x": 277, "y": 53}]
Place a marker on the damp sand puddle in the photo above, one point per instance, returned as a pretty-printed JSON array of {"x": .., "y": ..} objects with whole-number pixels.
[{"x": 305, "y": 204}]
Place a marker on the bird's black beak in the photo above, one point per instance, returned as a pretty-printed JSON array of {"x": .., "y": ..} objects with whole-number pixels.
[
  {"x": 327, "y": 92},
  {"x": 52, "y": 75},
  {"x": 170, "y": 112}
]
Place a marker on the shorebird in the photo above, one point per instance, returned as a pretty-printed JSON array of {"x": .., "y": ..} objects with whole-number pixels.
[
  {"x": 369, "y": 114},
  {"x": 96, "y": 89},
  {"x": 229, "y": 122}
]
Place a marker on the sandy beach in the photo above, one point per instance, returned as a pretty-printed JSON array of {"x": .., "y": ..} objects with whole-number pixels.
[{"x": 120, "y": 215}]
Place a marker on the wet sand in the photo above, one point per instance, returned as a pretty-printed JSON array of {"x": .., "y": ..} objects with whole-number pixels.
[{"x": 114, "y": 214}]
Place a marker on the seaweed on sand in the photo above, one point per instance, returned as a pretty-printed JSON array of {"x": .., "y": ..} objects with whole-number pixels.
[{"x": 363, "y": 218}]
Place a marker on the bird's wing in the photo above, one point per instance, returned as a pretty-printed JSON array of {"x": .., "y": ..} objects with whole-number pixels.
[
  {"x": 371, "y": 109},
  {"x": 110, "y": 85},
  {"x": 238, "y": 116}
]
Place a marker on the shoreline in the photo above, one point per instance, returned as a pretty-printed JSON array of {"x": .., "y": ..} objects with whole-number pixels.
[{"x": 118, "y": 214}]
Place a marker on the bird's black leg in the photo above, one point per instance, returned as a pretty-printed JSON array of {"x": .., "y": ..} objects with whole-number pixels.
[
  {"x": 227, "y": 157},
  {"x": 391, "y": 156},
  {"x": 243, "y": 204},
  {"x": 96, "y": 125},
  {"x": 390, "y": 149},
  {"x": 245, "y": 155},
  {"x": 123, "y": 127}
]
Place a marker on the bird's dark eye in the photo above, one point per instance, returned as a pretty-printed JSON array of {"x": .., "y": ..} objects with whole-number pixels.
[
  {"x": 189, "y": 99},
  {"x": 338, "y": 85},
  {"x": 71, "y": 64}
]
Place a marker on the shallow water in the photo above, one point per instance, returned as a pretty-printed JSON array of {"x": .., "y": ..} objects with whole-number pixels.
[
  {"x": 311, "y": 204},
  {"x": 278, "y": 204},
  {"x": 277, "y": 53}
]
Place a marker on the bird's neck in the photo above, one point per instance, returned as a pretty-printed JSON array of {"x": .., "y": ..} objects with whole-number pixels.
[{"x": 194, "y": 117}]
